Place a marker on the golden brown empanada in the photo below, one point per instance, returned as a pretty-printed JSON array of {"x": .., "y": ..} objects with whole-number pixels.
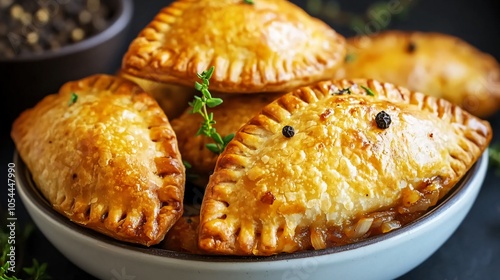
[
  {"x": 104, "y": 155},
  {"x": 267, "y": 46},
  {"x": 331, "y": 164},
  {"x": 436, "y": 64},
  {"x": 235, "y": 111}
]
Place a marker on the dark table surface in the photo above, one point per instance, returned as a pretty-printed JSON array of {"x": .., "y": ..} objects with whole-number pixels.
[{"x": 472, "y": 252}]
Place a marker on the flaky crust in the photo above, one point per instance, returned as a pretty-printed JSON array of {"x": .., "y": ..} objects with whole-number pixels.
[
  {"x": 436, "y": 64},
  {"x": 262, "y": 47},
  {"x": 173, "y": 99},
  {"x": 109, "y": 161},
  {"x": 183, "y": 236},
  {"x": 235, "y": 111},
  {"x": 272, "y": 194}
]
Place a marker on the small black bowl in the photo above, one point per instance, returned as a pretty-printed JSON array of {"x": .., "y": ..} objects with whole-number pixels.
[{"x": 26, "y": 79}]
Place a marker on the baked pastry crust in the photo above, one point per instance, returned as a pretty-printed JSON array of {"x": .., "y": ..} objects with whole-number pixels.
[
  {"x": 272, "y": 194},
  {"x": 173, "y": 99},
  {"x": 183, "y": 236},
  {"x": 436, "y": 64},
  {"x": 262, "y": 47},
  {"x": 109, "y": 161},
  {"x": 235, "y": 111}
]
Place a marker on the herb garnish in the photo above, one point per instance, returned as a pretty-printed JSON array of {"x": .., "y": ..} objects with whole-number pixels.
[
  {"x": 350, "y": 57},
  {"x": 189, "y": 174},
  {"x": 249, "y": 2},
  {"x": 494, "y": 154},
  {"x": 3, "y": 273},
  {"x": 35, "y": 272},
  {"x": 333, "y": 13},
  {"x": 73, "y": 99},
  {"x": 186, "y": 163},
  {"x": 333, "y": 91},
  {"x": 368, "y": 90},
  {"x": 344, "y": 90},
  {"x": 200, "y": 104}
]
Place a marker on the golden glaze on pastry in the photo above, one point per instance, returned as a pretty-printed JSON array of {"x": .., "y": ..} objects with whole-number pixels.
[
  {"x": 271, "y": 45},
  {"x": 109, "y": 161},
  {"x": 436, "y": 64},
  {"x": 340, "y": 178},
  {"x": 235, "y": 111}
]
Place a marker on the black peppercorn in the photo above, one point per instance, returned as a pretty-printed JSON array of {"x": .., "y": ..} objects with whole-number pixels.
[
  {"x": 288, "y": 131},
  {"x": 344, "y": 90},
  {"x": 383, "y": 120},
  {"x": 411, "y": 47}
]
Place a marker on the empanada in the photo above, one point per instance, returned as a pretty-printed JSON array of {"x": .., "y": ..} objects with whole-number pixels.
[
  {"x": 103, "y": 154},
  {"x": 436, "y": 64},
  {"x": 235, "y": 111},
  {"x": 267, "y": 46},
  {"x": 334, "y": 163}
]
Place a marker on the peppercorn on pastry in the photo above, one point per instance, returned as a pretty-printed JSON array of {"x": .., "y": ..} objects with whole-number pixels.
[
  {"x": 235, "y": 111},
  {"x": 264, "y": 46},
  {"x": 334, "y": 163},
  {"x": 436, "y": 64},
  {"x": 103, "y": 154}
]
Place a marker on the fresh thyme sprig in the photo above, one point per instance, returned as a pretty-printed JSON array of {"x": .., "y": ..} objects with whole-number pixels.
[
  {"x": 362, "y": 23},
  {"x": 4, "y": 264},
  {"x": 35, "y": 272},
  {"x": 200, "y": 104},
  {"x": 189, "y": 174},
  {"x": 3, "y": 273},
  {"x": 350, "y": 57}
]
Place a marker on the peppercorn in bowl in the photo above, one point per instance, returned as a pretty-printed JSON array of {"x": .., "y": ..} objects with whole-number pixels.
[{"x": 44, "y": 44}]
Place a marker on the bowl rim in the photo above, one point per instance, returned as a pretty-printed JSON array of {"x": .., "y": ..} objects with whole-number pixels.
[
  {"x": 117, "y": 23},
  {"x": 458, "y": 192}
]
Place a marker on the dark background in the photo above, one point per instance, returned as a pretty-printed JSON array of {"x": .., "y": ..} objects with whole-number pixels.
[{"x": 473, "y": 252}]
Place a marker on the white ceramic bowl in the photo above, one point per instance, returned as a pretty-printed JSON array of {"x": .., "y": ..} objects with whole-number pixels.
[{"x": 382, "y": 257}]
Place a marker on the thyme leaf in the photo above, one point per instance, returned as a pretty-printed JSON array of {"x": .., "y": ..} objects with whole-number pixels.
[{"x": 368, "y": 90}]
